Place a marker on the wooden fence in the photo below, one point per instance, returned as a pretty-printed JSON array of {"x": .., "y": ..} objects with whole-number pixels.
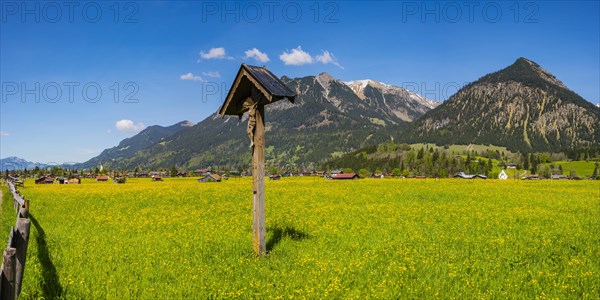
[{"x": 13, "y": 262}]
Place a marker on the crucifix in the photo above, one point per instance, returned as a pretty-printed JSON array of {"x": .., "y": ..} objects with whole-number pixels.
[{"x": 252, "y": 89}]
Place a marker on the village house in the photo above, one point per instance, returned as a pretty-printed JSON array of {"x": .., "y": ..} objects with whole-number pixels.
[
  {"x": 275, "y": 177},
  {"x": 210, "y": 178},
  {"x": 159, "y": 174},
  {"x": 201, "y": 172},
  {"x": 44, "y": 180},
  {"x": 462, "y": 175},
  {"x": 157, "y": 178},
  {"x": 344, "y": 176},
  {"x": 102, "y": 178}
]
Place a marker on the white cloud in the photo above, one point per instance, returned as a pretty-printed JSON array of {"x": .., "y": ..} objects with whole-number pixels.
[
  {"x": 129, "y": 126},
  {"x": 212, "y": 74},
  {"x": 327, "y": 58},
  {"x": 257, "y": 55},
  {"x": 214, "y": 53},
  {"x": 4, "y": 133},
  {"x": 190, "y": 76},
  {"x": 296, "y": 57}
]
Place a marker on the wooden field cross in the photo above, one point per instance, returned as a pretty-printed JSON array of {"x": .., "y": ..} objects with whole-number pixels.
[{"x": 252, "y": 89}]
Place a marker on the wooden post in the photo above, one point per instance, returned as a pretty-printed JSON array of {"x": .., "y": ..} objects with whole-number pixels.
[
  {"x": 23, "y": 213},
  {"x": 8, "y": 274},
  {"x": 11, "y": 238},
  {"x": 21, "y": 242},
  {"x": 258, "y": 184}
]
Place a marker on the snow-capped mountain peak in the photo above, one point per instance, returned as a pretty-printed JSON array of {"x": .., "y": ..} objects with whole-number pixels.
[
  {"x": 358, "y": 87},
  {"x": 359, "y": 84}
]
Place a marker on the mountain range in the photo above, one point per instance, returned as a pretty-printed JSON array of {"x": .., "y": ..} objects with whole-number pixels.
[
  {"x": 328, "y": 116},
  {"x": 522, "y": 107},
  {"x": 149, "y": 136},
  {"x": 16, "y": 163}
]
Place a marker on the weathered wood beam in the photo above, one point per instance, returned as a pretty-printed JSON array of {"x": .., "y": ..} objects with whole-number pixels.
[
  {"x": 8, "y": 273},
  {"x": 21, "y": 243},
  {"x": 258, "y": 184}
]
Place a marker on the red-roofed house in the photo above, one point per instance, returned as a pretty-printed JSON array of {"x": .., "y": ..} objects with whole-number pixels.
[
  {"x": 102, "y": 178},
  {"x": 201, "y": 172},
  {"x": 345, "y": 176}
]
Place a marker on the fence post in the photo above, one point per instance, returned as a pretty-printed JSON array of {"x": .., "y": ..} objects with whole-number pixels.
[
  {"x": 8, "y": 274},
  {"x": 23, "y": 213},
  {"x": 15, "y": 254},
  {"x": 21, "y": 243}
]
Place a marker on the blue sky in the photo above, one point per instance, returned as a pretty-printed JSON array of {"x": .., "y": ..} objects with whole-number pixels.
[{"x": 163, "y": 62}]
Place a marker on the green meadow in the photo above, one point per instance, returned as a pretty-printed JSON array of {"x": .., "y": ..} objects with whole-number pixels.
[
  {"x": 387, "y": 238},
  {"x": 581, "y": 168}
]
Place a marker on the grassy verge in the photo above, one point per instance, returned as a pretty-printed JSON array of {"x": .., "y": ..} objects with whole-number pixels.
[{"x": 7, "y": 214}]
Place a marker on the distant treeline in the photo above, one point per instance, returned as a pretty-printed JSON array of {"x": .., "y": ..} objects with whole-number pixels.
[
  {"x": 386, "y": 158},
  {"x": 437, "y": 161}
]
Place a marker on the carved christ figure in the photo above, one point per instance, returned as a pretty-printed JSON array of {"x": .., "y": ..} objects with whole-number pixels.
[{"x": 251, "y": 106}]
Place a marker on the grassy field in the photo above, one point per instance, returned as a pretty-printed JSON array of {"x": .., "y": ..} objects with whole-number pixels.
[
  {"x": 462, "y": 148},
  {"x": 387, "y": 238},
  {"x": 582, "y": 168}
]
